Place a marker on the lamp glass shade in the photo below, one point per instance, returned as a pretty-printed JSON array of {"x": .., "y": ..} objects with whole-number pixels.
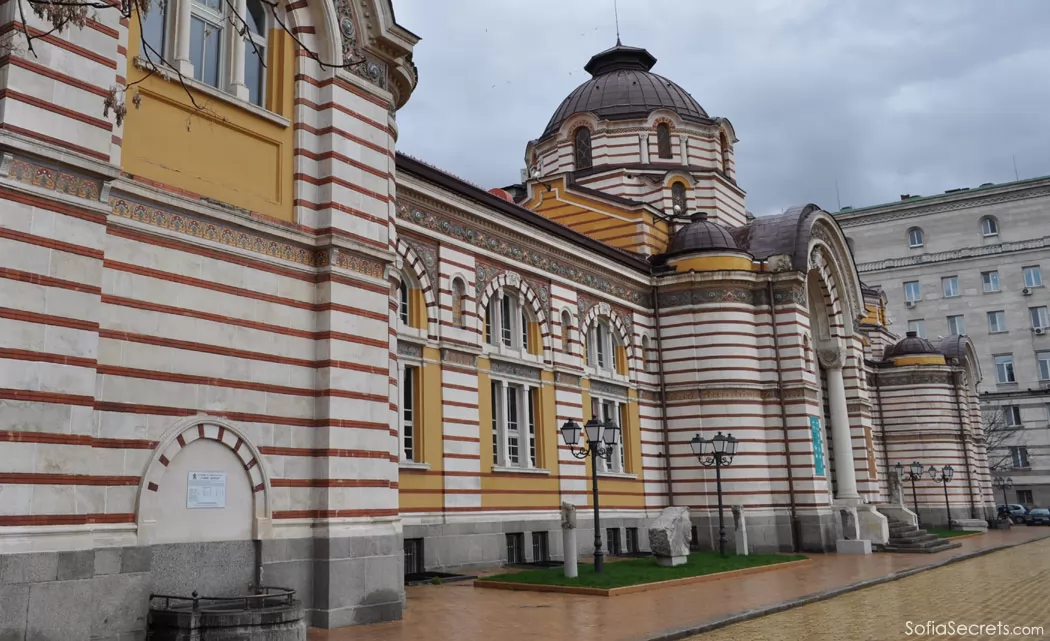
[
  {"x": 698, "y": 445},
  {"x": 900, "y": 471},
  {"x": 1009, "y": 482},
  {"x": 594, "y": 429},
  {"x": 570, "y": 432},
  {"x": 731, "y": 444},
  {"x": 949, "y": 472},
  {"x": 612, "y": 433},
  {"x": 934, "y": 473},
  {"x": 719, "y": 443},
  {"x": 917, "y": 469}
]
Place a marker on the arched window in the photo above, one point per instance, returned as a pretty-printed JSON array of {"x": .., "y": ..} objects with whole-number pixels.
[
  {"x": 723, "y": 140},
  {"x": 647, "y": 360},
  {"x": 807, "y": 354},
  {"x": 510, "y": 324},
  {"x": 989, "y": 227},
  {"x": 663, "y": 140},
  {"x": 678, "y": 198},
  {"x": 212, "y": 48},
  {"x": 566, "y": 332},
  {"x": 582, "y": 148},
  {"x": 458, "y": 294},
  {"x": 916, "y": 238},
  {"x": 605, "y": 351}
]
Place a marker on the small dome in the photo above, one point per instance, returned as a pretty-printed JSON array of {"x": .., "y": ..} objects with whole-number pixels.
[
  {"x": 624, "y": 88},
  {"x": 910, "y": 345},
  {"x": 701, "y": 235}
]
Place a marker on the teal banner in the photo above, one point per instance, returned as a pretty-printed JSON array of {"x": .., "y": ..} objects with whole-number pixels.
[{"x": 818, "y": 445}]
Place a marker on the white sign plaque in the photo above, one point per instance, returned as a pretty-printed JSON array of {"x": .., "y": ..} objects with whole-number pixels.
[{"x": 206, "y": 489}]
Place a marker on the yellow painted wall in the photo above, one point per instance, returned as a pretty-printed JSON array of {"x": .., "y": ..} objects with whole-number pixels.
[
  {"x": 223, "y": 151},
  {"x": 422, "y": 489},
  {"x": 417, "y": 309},
  {"x": 713, "y": 263},
  {"x": 931, "y": 359}
]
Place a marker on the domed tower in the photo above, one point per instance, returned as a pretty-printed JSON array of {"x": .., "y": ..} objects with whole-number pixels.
[{"x": 629, "y": 154}]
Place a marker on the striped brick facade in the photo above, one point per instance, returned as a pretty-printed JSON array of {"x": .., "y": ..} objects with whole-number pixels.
[{"x": 148, "y": 332}]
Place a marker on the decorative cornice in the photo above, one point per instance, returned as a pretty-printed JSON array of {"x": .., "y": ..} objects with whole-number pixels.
[
  {"x": 411, "y": 350},
  {"x": 955, "y": 254},
  {"x": 563, "y": 378},
  {"x": 457, "y": 357},
  {"x": 518, "y": 252},
  {"x": 608, "y": 389},
  {"x": 908, "y": 379},
  {"x": 739, "y": 294}
]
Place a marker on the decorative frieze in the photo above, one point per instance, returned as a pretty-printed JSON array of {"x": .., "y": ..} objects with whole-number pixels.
[
  {"x": 411, "y": 350},
  {"x": 563, "y": 378},
  {"x": 601, "y": 388},
  {"x": 427, "y": 254},
  {"x": 456, "y": 357},
  {"x": 52, "y": 179},
  {"x": 474, "y": 235},
  {"x": 515, "y": 369},
  {"x": 908, "y": 379},
  {"x": 356, "y": 60},
  {"x": 759, "y": 296}
]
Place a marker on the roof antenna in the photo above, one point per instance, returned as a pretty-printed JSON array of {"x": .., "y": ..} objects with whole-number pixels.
[{"x": 616, "y": 12}]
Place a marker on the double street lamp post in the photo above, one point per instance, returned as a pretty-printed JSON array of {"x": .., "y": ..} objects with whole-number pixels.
[
  {"x": 602, "y": 438},
  {"x": 913, "y": 472},
  {"x": 1004, "y": 484},
  {"x": 944, "y": 476},
  {"x": 716, "y": 452}
]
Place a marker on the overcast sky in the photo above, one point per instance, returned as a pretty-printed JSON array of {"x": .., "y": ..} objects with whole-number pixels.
[{"x": 885, "y": 96}]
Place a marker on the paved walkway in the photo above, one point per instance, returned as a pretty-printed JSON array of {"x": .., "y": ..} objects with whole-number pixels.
[
  {"x": 458, "y": 611},
  {"x": 1011, "y": 587}
]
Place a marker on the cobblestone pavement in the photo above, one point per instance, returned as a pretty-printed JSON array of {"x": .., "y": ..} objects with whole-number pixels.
[
  {"x": 1011, "y": 587},
  {"x": 460, "y": 612}
]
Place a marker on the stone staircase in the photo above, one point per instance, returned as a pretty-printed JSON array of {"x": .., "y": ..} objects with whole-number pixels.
[{"x": 907, "y": 538}]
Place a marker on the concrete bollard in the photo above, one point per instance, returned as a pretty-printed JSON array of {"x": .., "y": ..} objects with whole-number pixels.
[{"x": 568, "y": 538}]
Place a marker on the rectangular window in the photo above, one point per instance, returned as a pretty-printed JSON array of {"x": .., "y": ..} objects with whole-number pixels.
[
  {"x": 990, "y": 281},
  {"x": 632, "y": 541},
  {"x": 414, "y": 556},
  {"x": 1033, "y": 277},
  {"x": 496, "y": 418},
  {"x": 1019, "y": 456},
  {"x": 1024, "y": 497},
  {"x": 255, "y": 52},
  {"x": 918, "y": 326},
  {"x": 513, "y": 453},
  {"x": 515, "y": 548},
  {"x": 612, "y": 539},
  {"x": 153, "y": 28},
  {"x": 506, "y": 320},
  {"x": 1012, "y": 415},
  {"x": 599, "y": 345},
  {"x": 1040, "y": 317},
  {"x": 531, "y": 394},
  {"x": 1044, "y": 365},
  {"x": 403, "y": 306},
  {"x": 540, "y": 547},
  {"x": 1004, "y": 369},
  {"x": 950, "y": 285},
  {"x": 408, "y": 407},
  {"x": 524, "y": 331},
  {"x": 956, "y": 325},
  {"x": 997, "y": 321},
  {"x": 912, "y": 293},
  {"x": 206, "y": 44}
]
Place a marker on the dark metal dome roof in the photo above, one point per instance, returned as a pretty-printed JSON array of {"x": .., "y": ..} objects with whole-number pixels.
[
  {"x": 911, "y": 344},
  {"x": 700, "y": 235},
  {"x": 622, "y": 87}
]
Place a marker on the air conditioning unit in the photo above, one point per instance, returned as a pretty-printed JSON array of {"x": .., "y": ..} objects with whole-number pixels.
[
  {"x": 1027, "y": 291},
  {"x": 1039, "y": 331},
  {"x": 909, "y": 304}
]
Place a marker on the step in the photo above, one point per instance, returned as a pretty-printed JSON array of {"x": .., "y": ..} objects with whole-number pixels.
[
  {"x": 914, "y": 538},
  {"x": 942, "y": 546}
]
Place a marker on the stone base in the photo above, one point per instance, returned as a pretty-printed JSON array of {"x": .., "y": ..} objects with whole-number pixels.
[
  {"x": 856, "y": 546},
  {"x": 971, "y": 525},
  {"x": 671, "y": 561}
]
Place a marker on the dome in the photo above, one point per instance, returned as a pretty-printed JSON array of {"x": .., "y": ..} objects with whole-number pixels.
[
  {"x": 701, "y": 235},
  {"x": 623, "y": 88},
  {"x": 910, "y": 345}
]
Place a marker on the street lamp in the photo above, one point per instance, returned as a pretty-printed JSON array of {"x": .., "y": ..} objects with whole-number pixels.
[
  {"x": 717, "y": 451},
  {"x": 601, "y": 438},
  {"x": 913, "y": 472},
  {"x": 1004, "y": 484},
  {"x": 944, "y": 476}
]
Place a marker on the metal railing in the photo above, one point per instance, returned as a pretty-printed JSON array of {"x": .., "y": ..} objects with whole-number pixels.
[{"x": 264, "y": 597}]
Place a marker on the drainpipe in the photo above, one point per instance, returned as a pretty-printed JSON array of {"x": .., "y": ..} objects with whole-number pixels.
[
  {"x": 882, "y": 430},
  {"x": 957, "y": 379},
  {"x": 663, "y": 398},
  {"x": 783, "y": 418}
]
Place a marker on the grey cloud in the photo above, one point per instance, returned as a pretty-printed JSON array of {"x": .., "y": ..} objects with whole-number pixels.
[{"x": 886, "y": 97}]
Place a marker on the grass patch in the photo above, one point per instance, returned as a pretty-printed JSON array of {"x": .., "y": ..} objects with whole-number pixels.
[
  {"x": 945, "y": 533},
  {"x": 620, "y": 574}
]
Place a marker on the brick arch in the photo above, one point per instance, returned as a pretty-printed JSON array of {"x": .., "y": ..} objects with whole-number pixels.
[
  {"x": 220, "y": 430},
  {"x": 604, "y": 309},
  {"x": 417, "y": 270},
  {"x": 512, "y": 280}
]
